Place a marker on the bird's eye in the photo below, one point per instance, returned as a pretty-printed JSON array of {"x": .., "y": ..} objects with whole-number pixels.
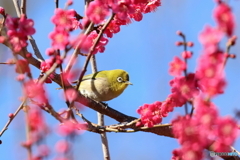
[{"x": 119, "y": 79}]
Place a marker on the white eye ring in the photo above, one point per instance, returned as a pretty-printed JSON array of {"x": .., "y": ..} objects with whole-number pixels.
[{"x": 119, "y": 79}]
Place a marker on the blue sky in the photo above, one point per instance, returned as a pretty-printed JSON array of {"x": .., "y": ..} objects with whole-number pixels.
[{"x": 144, "y": 49}]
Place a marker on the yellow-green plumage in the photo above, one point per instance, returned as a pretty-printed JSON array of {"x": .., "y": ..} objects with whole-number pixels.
[{"x": 104, "y": 85}]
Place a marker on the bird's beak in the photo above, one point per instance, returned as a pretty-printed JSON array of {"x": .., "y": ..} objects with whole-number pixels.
[{"x": 129, "y": 83}]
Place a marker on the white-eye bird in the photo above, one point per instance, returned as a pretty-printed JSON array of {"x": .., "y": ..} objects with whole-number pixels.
[{"x": 104, "y": 85}]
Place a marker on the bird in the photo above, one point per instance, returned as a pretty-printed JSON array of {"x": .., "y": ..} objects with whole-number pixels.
[{"x": 104, "y": 85}]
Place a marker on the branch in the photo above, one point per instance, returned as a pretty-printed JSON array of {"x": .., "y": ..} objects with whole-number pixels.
[
  {"x": 12, "y": 117},
  {"x": 49, "y": 109},
  {"x": 17, "y": 8},
  {"x": 28, "y": 136},
  {"x": 105, "y": 147},
  {"x": 56, "y": 3},
  {"x": 35, "y": 48},
  {"x": 23, "y": 6}
]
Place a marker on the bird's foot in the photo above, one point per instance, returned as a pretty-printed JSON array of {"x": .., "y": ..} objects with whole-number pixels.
[{"x": 103, "y": 103}]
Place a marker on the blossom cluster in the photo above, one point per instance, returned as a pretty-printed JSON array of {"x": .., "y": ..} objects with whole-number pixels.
[
  {"x": 209, "y": 76},
  {"x": 184, "y": 89},
  {"x": 35, "y": 91},
  {"x": 18, "y": 30},
  {"x": 205, "y": 129},
  {"x": 97, "y": 12},
  {"x": 150, "y": 114}
]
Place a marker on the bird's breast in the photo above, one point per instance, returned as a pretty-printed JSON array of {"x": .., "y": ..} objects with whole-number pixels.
[{"x": 98, "y": 89}]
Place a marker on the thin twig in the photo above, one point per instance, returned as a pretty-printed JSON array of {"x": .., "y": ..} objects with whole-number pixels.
[
  {"x": 47, "y": 74},
  {"x": 48, "y": 108},
  {"x": 7, "y": 63},
  {"x": 185, "y": 60},
  {"x": 12, "y": 117},
  {"x": 234, "y": 150},
  {"x": 230, "y": 43},
  {"x": 17, "y": 8},
  {"x": 28, "y": 136},
  {"x": 110, "y": 129},
  {"x": 185, "y": 70},
  {"x": 35, "y": 48},
  {"x": 23, "y": 6},
  {"x": 76, "y": 51},
  {"x": 105, "y": 148},
  {"x": 56, "y": 3}
]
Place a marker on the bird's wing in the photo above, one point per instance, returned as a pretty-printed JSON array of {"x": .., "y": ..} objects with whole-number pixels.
[
  {"x": 92, "y": 76},
  {"x": 89, "y": 77}
]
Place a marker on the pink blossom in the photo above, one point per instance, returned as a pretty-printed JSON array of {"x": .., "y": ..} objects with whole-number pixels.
[
  {"x": 185, "y": 87},
  {"x": 2, "y": 11},
  {"x": 190, "y": 44},
  {"x": 36, "y": 120},
  {"x": 70, "y": 128},
  {"x": 151, "y": 6},
  {"x": 26, "y": 25},
  {"x": 21, "y": 25},
  {"x": 71, "y": 75},
  {"x": 177, "y": 154},
  {"x": 186, "y": 54},
  {"x": 2, "y": 39},
  {"x": 123, "y": 8},
  {"x": 207, "y": 115},
  {"x": 50, "y": 51},
  {"x": 214, "y": 86},
  {"x": 48, "y": 80},
  {"x": 64, "y": 19},
  {"x": 22, "y": 66},
  {"x": 97, "y": 11},
  {"x": 10, "y": 115},
  {"x": 75, "y": 24},
  {"x": 21, "y": 77},
  {"x": 113, "y": 27},
  {"x": 177, "y": 66},
  {"x": 18, "y": 30},
  {"x": 210, "y": 73},
  {"x": 218, "y": 132},
  {"x": 173, "y": 100},
  {"x": 17, "y": 40},
  {"x": 227, "y": 131},
  {"x": 137, "y": 15},
  {"x": 210, "y": 37},
  {"x": 225, "y": 18},
  {"x": 192, "y": 151},
  {"x": 186, "y": 130},
  {"x": 59, "y": 39},
  {"x": 85, "y": 43},
  {"x": 71, "y": 94},
  {"x": 150, "y": 114},
  {"x": 43, "y": 150},
  {"x": 69, "y": 2},
  {"x": 62, "y": 146},
  {"x": 36, "y": 91},
  {"x": 46, "y": 65}
]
